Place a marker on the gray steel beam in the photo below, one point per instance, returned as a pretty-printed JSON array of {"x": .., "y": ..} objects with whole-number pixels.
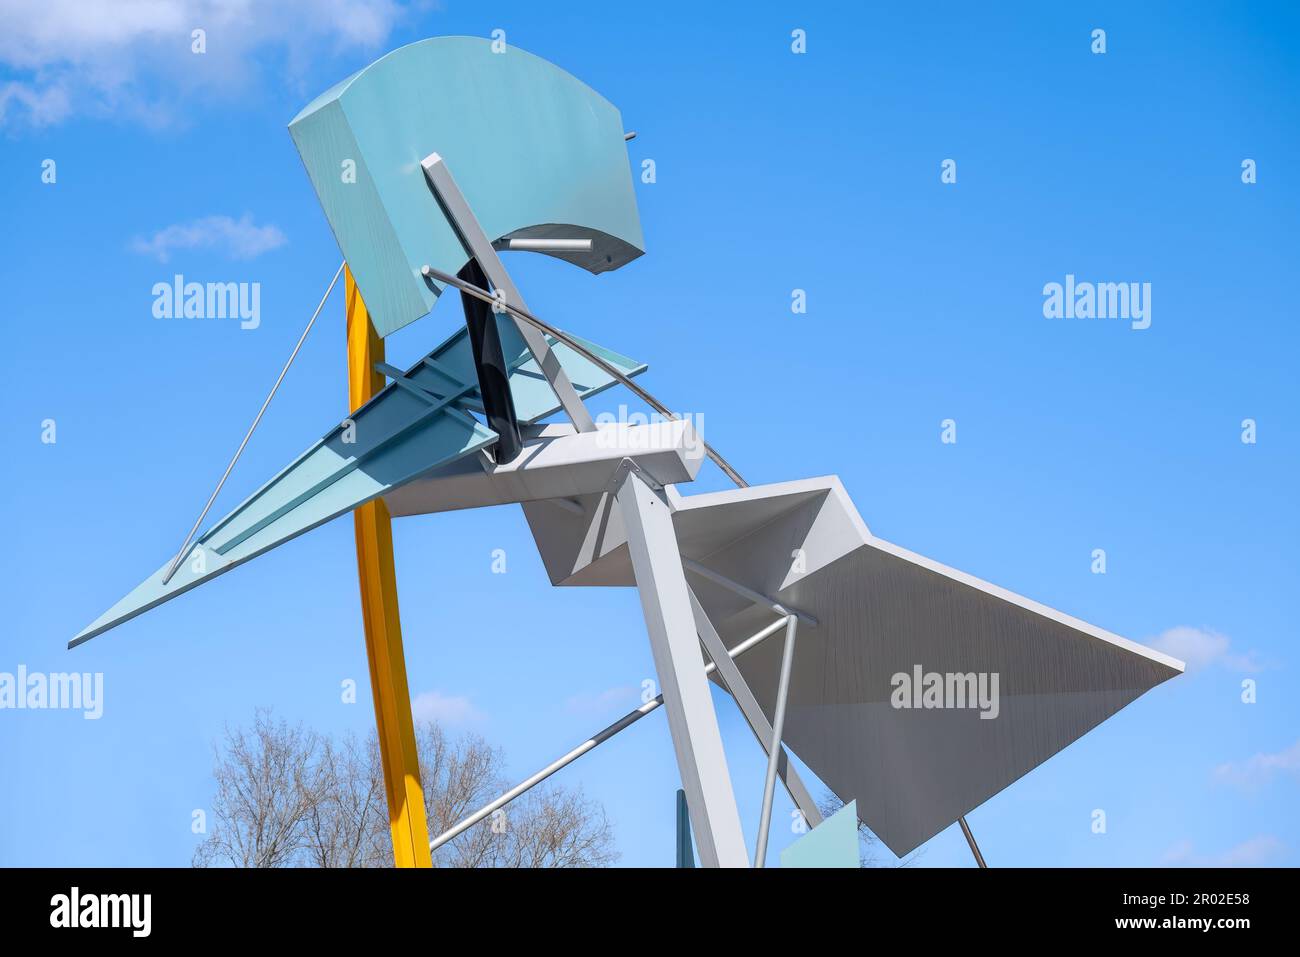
[{"x": 679, "y": 662}]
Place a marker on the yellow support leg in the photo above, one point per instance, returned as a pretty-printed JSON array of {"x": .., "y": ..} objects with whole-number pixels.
[{"x": 378, "y": 580}]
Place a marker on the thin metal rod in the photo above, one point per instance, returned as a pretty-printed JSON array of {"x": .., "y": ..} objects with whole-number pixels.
[
  {"x": 550, "y": 245},
  {"x": 970, "y": 839},
  {"x": 180, "y": 555},
  {"x": 774, "y": 753},
  {"x": 599, "y": 737},
  {"x": 758, "y": 598},
  {"x": 469, "y": 288}
]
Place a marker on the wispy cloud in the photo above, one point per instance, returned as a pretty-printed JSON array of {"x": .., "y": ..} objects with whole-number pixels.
[
  {"x": 1201, "y": 647},
  {"x": 444, "y": 709},
  {"x": 240, "y": 239},
  {"x": 626, "y": 697},
  {"x": 1259, "y": 851},
  {"x": 42, "y": 107},
  {"x": 1255, "y": 772},
  {"x": 135, "y": 57}
]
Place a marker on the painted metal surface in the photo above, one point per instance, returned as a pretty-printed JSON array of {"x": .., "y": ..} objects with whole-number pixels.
[
  {"x": 536, "y": 152},
  {"x": 377, "y": 577},
  {"x": 834, "y": 843},
  {"x": 685, "y": 849}
]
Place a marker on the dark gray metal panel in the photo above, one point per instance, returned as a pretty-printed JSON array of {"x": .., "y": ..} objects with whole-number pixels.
[{"x": 914, "y": 772}]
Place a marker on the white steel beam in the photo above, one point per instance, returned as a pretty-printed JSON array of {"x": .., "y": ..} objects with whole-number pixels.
[
  {"x": 556, "y": 463},
  {"x": 666, "y": 604}
]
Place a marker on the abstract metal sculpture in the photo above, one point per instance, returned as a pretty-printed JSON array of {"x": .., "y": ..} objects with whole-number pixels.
[{"x": 540, "y": 164}]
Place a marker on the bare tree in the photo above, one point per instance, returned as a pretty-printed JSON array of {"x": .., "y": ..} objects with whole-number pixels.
[
  {"x": 343, "y": 827},
  {"x": 289, "y": 797},
  {"x": 266, "y": 786}
]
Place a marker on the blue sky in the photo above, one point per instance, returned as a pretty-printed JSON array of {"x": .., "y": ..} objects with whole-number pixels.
[{"x": 775, "y": 171}]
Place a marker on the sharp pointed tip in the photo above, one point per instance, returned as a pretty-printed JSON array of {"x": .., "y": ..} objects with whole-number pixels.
[{"x": 82, "y": 637}]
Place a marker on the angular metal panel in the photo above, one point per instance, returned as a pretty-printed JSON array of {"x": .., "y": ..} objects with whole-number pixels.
[
  {"x": 833, "y": 843},
  {"x": 398, "y": 435},
  {"x": 883, "y": 611},
  {"x": 413, "y": 426},
  {"x": 880, "y": 611}
]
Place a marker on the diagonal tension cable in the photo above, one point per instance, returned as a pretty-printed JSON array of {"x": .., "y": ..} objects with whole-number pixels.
[{"x": 180, "y": 555}]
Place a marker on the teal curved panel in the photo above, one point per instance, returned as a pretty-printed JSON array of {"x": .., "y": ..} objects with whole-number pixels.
[{"x": 535, "y": 151}]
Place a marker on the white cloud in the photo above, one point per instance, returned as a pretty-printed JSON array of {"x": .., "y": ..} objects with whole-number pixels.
[
  {"x": 1256, "y": 852},
  {"x": 1257, "y": 771},
  {"x": 626, "y": 697},
  {"x": 1201, "y": 647},
  {"x": 42, "y": 107},
  {"x": 241, "y": 239},
  {"x": 444, "y": 709},
  {"x": 134, "y": 57}
]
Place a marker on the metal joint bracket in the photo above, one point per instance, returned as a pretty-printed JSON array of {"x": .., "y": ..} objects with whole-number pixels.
[{"x": 625, "y": 468}]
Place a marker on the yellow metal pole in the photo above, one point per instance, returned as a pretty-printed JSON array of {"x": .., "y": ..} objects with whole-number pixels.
[{"x": 378, "y": 579}]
